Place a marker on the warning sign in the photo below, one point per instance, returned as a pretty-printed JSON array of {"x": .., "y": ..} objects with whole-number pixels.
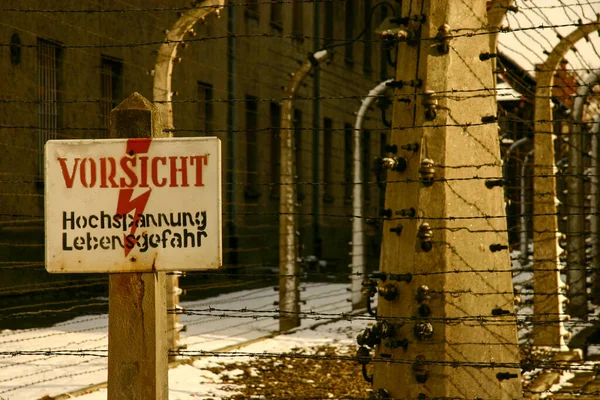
[{"x": 128, "y": 205}]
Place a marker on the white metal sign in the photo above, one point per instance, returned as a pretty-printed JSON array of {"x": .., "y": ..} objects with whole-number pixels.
[{"x": 125, "y": 205}]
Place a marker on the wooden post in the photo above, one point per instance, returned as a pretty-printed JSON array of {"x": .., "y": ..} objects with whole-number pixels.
[
  {"x": 446, "y": 263},
  {"x": 137, "y": 319}
]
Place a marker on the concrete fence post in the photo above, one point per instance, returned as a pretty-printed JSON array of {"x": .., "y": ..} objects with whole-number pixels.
[
  {"x": 443, "y": 260},
  {"x": 547, "y": 302},
  {"x": 289, "y": 279}
]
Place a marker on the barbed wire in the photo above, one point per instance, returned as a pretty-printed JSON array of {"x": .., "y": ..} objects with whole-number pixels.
[
  {"x": 165, "y": 9},
  {"x": 248, "y": 269},
  {"x": 546, "y": 364},
  {"x": 470, "y": 32},
  {"x": 245, "y": 4}
]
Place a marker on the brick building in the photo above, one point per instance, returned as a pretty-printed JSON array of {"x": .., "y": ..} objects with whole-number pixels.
[{"x": 63, "y": 69}]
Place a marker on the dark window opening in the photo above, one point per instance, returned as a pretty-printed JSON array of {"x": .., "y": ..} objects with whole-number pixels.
[
  {"x": 329, "y": 22},
  {"x": 49, "y": 56},
  {"x": 252, "y": 9},
  {"x": 348, "y": 162},
  {"x": 275, "y": 113},
  {"x": 111, "y": 75},
  {"x": 328, "y": 160},
  {"x": 204, "y": 112},
  {"x": 300, "y": 173},
  {"x": 368, "y": 40},
  {"x": 276, "y": 15},
  {"x": 366, "y": 166},
  {"x": 251, "y": 191},
  {"x": 15, "y": 49},
  {"x": 298, "y": 19},
  {"x": 349, "y": 32}
]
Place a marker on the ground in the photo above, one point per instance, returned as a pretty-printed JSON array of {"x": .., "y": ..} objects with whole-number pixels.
[{"x": 275, "y": 368}]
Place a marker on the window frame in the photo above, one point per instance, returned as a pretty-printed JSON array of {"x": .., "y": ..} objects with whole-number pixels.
[
  {"x": 111, "y": 94},
  {"x": 328, "y": 196},
  {"x": 251, "y": 190},
  {"x": 205, "y": 106},
  {"x": 49, "y": 94}
]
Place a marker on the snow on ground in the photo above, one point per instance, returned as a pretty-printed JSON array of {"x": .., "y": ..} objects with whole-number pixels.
[
  {"x": 188, "y": 382},
  {"x": 32, "y": 377}
]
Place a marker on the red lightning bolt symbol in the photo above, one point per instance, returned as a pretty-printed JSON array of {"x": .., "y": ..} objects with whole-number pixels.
[{"x": 126, "y": 204}]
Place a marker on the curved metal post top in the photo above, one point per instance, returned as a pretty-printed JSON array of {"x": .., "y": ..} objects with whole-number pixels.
[
  {"x": 167, "y": 52},
  {"x": 545, "y": 224}
]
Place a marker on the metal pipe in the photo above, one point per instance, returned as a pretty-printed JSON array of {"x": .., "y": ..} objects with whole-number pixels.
[
  {"x": 576, "y": 273},
  {"x": 162, "y": 95},
  {"x": 595, "y": 210},
  {"x": 524, "y": 239},
  {"x": 289, "y": 280},
  {"x": 167, "y": 53},
  {"x": 316, "y": 148},
  {"x": 358, "y": 249}
]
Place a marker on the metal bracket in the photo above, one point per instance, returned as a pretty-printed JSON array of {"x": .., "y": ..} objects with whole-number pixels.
[
  {"x": 397, "y": 164},
  {"x": 427, "y": 172},
  {"x": 430, "y": 103},
  {"x": 423, "y": 330},
  {"x": 425, "y": 234}
]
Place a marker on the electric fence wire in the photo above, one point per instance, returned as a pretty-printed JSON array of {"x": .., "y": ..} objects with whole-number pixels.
[{"x": 207, "y": 312}]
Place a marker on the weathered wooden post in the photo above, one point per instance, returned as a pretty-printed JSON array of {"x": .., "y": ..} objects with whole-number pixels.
[
  {"x": 110, "y": 209},
  {"x": 446, "y": 324},
  {"x": 137, "y": 306}
]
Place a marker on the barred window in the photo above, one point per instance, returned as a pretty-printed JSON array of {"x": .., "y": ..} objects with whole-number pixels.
[
  {"x": 48, "y": 58},
  {"x": 252, "y": 191},
  {"x": 111, "y": 84},
  {"x": 298, "y": 19},
  {"x": 348, "y": 162},
  {"x": 328, "y": 160},
  {"x": 204, "y": 113},
  {"x": 349, "y": 32},
  {"x": 275, "y": 113}
]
